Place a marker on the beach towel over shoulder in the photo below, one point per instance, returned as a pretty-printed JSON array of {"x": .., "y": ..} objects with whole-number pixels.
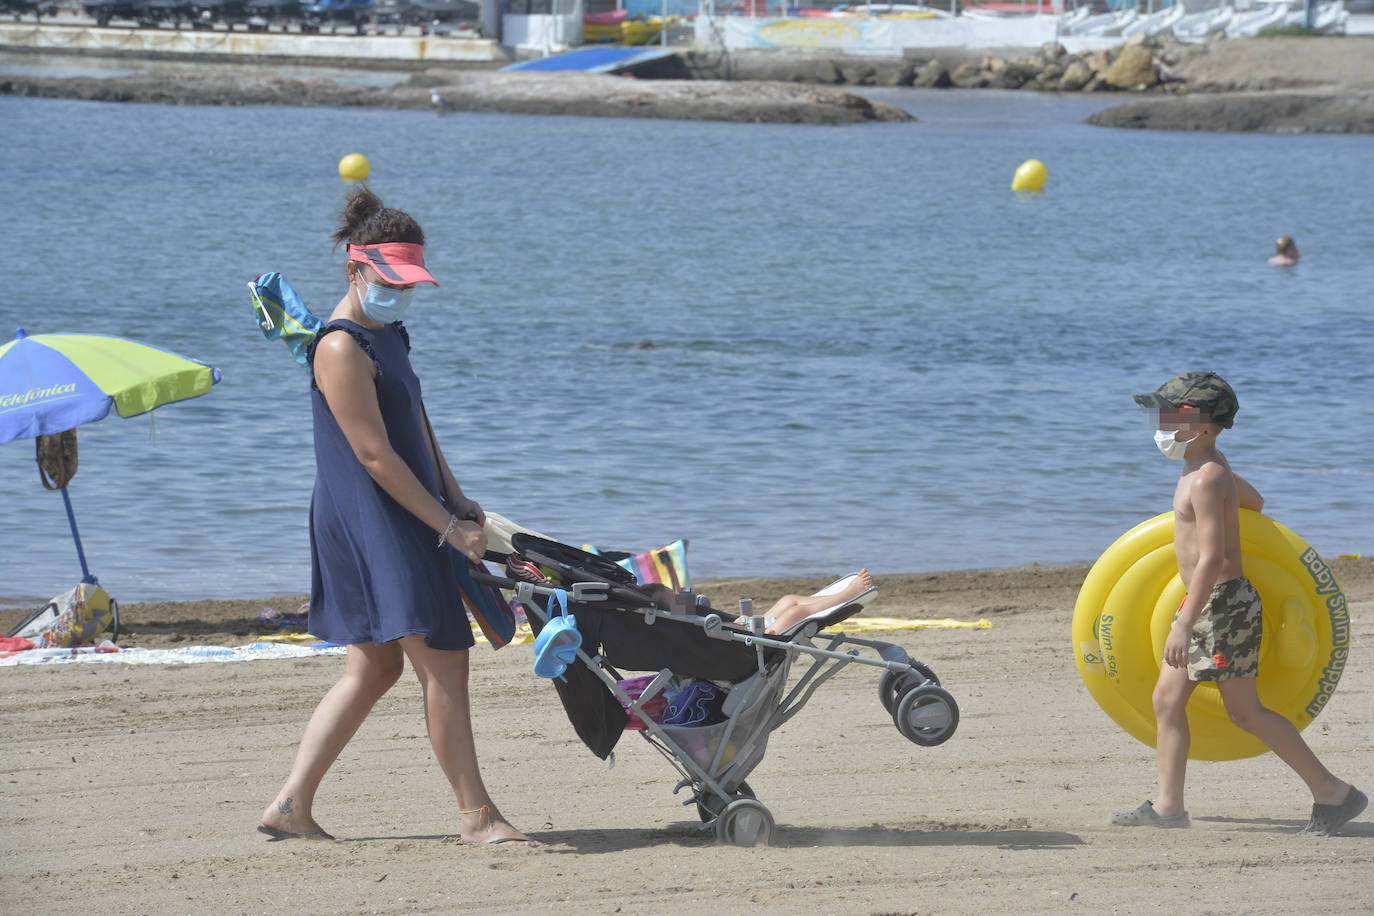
[{"x": 282, "y": 314}]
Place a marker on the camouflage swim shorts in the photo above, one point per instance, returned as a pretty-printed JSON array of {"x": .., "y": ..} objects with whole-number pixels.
[{"x": 1226, "y": 638}]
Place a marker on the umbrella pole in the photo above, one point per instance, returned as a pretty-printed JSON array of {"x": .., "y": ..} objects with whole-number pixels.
[{"x": 80, "y": 554}]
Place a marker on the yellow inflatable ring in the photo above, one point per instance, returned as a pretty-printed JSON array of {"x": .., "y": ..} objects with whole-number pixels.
[{"x": 1127, "y": 604}]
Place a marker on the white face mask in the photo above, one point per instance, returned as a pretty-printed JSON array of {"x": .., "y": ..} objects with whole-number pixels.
[{"x": 1169, "y": 445}]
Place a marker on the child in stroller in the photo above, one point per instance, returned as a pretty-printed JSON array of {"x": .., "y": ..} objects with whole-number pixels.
[
  {"x": 742, "y": 669},
  {"x": 789, "y": 610}
]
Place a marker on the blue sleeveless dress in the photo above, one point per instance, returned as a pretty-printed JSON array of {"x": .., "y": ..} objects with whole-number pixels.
[{"x": 375, "y": 572}]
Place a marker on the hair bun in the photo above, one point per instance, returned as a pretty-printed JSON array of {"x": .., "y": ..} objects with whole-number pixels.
[
  {"x": 367, "y": 221},
  {"x": 360, "y": 204}
]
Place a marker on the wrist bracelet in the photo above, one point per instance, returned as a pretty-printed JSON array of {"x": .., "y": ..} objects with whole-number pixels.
[{"x": 452, "y": 523}]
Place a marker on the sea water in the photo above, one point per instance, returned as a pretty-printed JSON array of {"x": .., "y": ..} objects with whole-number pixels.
[{"x": 804, "y": 349}]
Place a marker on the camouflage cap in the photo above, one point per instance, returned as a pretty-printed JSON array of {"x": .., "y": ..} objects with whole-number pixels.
[{"x": 1206, "y": 391}]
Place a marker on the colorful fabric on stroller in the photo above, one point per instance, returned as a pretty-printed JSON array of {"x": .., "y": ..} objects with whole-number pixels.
[{"x": 626, "y": 628}]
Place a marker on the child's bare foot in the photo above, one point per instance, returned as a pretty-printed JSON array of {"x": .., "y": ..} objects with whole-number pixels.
[
  {"x": 863, "y": 581},
  {"x": 485, "y": 826}
]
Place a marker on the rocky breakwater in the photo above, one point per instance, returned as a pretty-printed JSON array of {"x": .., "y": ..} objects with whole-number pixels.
[
  {"x": 469, "y": 90},
  {"x": 1141, "y": 65},
  {"x": 1280, "y": 85}
]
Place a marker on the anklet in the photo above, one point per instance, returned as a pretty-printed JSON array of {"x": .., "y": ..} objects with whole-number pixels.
[{"x": 477, "y": 810}]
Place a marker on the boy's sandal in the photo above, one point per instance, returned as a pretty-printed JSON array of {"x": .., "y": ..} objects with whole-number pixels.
[
  {"x": 1147, "y": 816},
  {"x": 1327, "y": 820}
]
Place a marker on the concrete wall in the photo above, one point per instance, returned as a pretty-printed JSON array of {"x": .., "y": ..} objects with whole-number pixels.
[
  {"x": 172, "y": 42},
  {"x": 887, "y": 37}
]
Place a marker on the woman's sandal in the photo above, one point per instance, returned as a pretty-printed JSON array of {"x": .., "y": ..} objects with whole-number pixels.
[
  {"x": 499, "y": 840},
  {"x": 275, "y": 835}
]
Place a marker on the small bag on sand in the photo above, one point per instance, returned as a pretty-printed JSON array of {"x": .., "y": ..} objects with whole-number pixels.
[{"x": 73, "y": 619}]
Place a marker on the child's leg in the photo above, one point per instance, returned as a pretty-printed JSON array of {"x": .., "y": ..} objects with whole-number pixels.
[
  {"x": 1172, "y": 737},
  {"x": 1280, "y": 736},
  {"x": 789, "y": 609}
]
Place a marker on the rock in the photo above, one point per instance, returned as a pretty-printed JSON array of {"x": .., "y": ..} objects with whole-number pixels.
[
  {"x": 519, "y": 93},
  {"x": 1013, "y": 75},
  {"x": 1100, "y": 61},
  {"x": 1270, "y": 112},
  {"x": 895, "y": 73},
  {"x": 1097, "y": 84},
  {"x": 1135, "y": 67},
  {"x": 856, "y": 72},
  {"x": 932, "y": 75},
  {"x": 1051, "y": 73},
  {"x": 969, "y": 76},
  {"x": 1168, "y": 49},
  {"x": 1052, "y": 52},
  {"x": 874, "y": 71},
  {"x": 430, "y": 78},
  {"x": 1076, "y": 75},
  {"x": 949, "y": 58}
]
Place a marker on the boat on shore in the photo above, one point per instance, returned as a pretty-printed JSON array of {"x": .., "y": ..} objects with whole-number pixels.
[
  {"x": 873, "y": 11},
  {"x": 618, "y": 27}
]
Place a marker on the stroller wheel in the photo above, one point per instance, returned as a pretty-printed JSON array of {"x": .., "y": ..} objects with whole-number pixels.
[
  {"x": 709, "y": 807},
  {"x": 745, "y": 822},
  {"x": 926, "y": 715},
  {"x": 892, "y": 685}
]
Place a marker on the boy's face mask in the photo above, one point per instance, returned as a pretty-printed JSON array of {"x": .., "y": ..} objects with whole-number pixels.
[
  {"x": 1168, "y": 424},
  {"x": 1167, "y": 443}
]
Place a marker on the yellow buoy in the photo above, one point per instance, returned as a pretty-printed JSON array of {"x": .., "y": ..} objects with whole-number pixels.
[
  {"x": 1030, "y": 176},
  {"x": 354, "y": 167}
]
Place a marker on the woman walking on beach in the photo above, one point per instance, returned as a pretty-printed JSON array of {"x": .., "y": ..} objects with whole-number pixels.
[{"x": 381, "y": 577}]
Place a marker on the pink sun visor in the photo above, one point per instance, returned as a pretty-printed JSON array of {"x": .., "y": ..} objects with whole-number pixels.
[{"x": 397, "y": 263}]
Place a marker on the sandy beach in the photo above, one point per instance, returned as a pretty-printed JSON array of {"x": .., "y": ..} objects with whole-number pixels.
[{"x": 137, "y": 788}]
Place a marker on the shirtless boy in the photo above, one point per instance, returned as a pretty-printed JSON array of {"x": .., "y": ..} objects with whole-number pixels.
[{"x": 1216, "y": 633}]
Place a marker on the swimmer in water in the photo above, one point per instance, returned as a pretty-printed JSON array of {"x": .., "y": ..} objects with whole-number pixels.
[{"x": 1286, "y": 252}]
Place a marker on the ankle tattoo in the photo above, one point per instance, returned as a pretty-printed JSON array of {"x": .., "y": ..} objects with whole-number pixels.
[{"x": 284, "y": 806}]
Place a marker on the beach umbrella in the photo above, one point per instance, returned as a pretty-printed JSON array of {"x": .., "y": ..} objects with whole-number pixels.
[{"x": 52, "y": 383}]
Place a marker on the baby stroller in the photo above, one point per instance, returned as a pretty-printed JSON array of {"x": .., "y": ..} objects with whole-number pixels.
[{"x": 731, "y": 680}]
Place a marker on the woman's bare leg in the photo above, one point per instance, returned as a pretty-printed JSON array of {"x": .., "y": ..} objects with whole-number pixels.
[
  {"x": 444, "y": 680},
  {"x": 789, "y": 609},
  {"x": 369, "y": 672}
]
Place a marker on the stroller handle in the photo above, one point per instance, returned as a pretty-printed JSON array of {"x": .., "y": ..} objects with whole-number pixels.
[{"x": 580, "y": 591}]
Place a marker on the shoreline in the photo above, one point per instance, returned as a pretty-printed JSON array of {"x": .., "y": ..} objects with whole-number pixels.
[
  {"x": 487, "y": 91},
  {"x": 1277, "y": 85},
  {"x": 968, "y": 593}
]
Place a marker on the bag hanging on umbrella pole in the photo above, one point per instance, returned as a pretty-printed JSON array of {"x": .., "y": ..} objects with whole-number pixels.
[{"x": 57, "y": 460}]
